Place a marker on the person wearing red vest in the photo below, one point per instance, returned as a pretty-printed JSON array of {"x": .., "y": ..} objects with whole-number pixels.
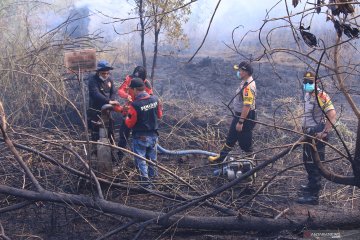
[
  {"x": 127, "y": 93},
  {"x": 143, "y": 116}
]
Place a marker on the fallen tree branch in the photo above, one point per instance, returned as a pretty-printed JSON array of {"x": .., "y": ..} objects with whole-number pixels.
[
  {"x": 15, "y": 206},
  {"x": 327, "y": 220},
  {"x": 264, "y": 185},
  {"x": 168, "y": 196},
  {"x": 333, "y": 177},
  {"x": 122, "y": 227},
  {"x": 228, "y": 185},
  {"x": 2, "y": 233}
]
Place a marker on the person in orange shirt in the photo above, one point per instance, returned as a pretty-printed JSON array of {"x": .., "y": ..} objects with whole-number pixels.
[{"x": 127, "y": 93}]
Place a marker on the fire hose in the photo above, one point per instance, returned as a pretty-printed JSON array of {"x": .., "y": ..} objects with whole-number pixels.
[
  {"x": 233, "y": 168},
  {"x": 184, "y": 152}
]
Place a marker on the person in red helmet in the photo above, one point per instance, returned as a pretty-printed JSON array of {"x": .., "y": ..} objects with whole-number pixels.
[{"x": 127, "y": 93}]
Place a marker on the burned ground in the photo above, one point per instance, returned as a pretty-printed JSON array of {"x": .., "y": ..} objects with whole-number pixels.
[{"x": 195, "y": 117}]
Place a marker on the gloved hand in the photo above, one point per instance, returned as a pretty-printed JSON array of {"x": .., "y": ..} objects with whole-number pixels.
[{"x": 118, "y": 108}]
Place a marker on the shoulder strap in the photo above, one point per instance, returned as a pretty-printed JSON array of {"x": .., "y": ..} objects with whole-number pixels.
[
  {"x": 147, "y": 84},
  {"x": 242, "y": 90}
]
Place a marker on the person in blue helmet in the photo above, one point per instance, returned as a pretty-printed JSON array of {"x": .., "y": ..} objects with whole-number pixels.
[{"x": 101, "y": 91}]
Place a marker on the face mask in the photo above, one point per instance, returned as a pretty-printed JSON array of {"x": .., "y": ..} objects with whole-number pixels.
[
  {"x": 309, "y": 87},
  {"x": 103, "y": 78},
  {"x": 238, "y": 74}
]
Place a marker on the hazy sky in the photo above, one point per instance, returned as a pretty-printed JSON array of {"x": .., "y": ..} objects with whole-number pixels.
[{"x": 230, "y": 14}]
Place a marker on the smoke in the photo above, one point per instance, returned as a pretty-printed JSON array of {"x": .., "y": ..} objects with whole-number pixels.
[
  {"x": 230, "y": 14},
  {"x": 102, "y": 14},
  {"x": 79, "y": 26}
]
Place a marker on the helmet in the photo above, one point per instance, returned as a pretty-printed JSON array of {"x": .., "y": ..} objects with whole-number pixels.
[
  {"x": 103, "y": 65},
  {"x": 245, "y": 66},
  {"x": 139, "y": 72}
]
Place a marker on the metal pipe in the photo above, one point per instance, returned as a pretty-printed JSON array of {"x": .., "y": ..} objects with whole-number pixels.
[{"x": 184, "y": 152}]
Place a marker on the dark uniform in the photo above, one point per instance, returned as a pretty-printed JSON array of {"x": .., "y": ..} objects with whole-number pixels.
[
  {"x": 316, "y": 105},
  {"x": 100, "y": 93},
  {"x": 314, "y": 122},
  {"x": 246, "y": 94}
]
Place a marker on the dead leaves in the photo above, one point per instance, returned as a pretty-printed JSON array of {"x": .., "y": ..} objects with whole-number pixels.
[
  {"x": 336, "y": 6},
  {"x": 309, "y": 38},
  {"x": 295, "y": 2},
  {"x": 341, "y": 8}
]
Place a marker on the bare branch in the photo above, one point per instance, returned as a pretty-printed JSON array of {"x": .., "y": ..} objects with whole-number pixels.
[{"x": 207, "y": 32}]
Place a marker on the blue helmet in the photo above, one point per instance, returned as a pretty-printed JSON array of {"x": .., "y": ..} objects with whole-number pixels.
[{"x": 103, "y": 65}]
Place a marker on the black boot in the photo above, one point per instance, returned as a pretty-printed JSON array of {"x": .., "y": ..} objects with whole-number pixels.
[
  {"x": 305, "y": 188},
  {"x": 314, "y": 178},
  {"x": 311, "y": 198},
  {"x": 220, "y": 157}
]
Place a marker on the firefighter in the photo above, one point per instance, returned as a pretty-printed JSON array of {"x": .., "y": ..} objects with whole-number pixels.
[
  {"x": 127, "y": 93},
  {"x": 316, "y": 124},
  {"x": 244, "y": 108},
  {"x": 101, "y": 91},
  {"x": 143, "y": 115}
]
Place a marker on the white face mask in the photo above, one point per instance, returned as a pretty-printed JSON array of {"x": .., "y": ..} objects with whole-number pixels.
[{"x": 103, "y": 78}]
